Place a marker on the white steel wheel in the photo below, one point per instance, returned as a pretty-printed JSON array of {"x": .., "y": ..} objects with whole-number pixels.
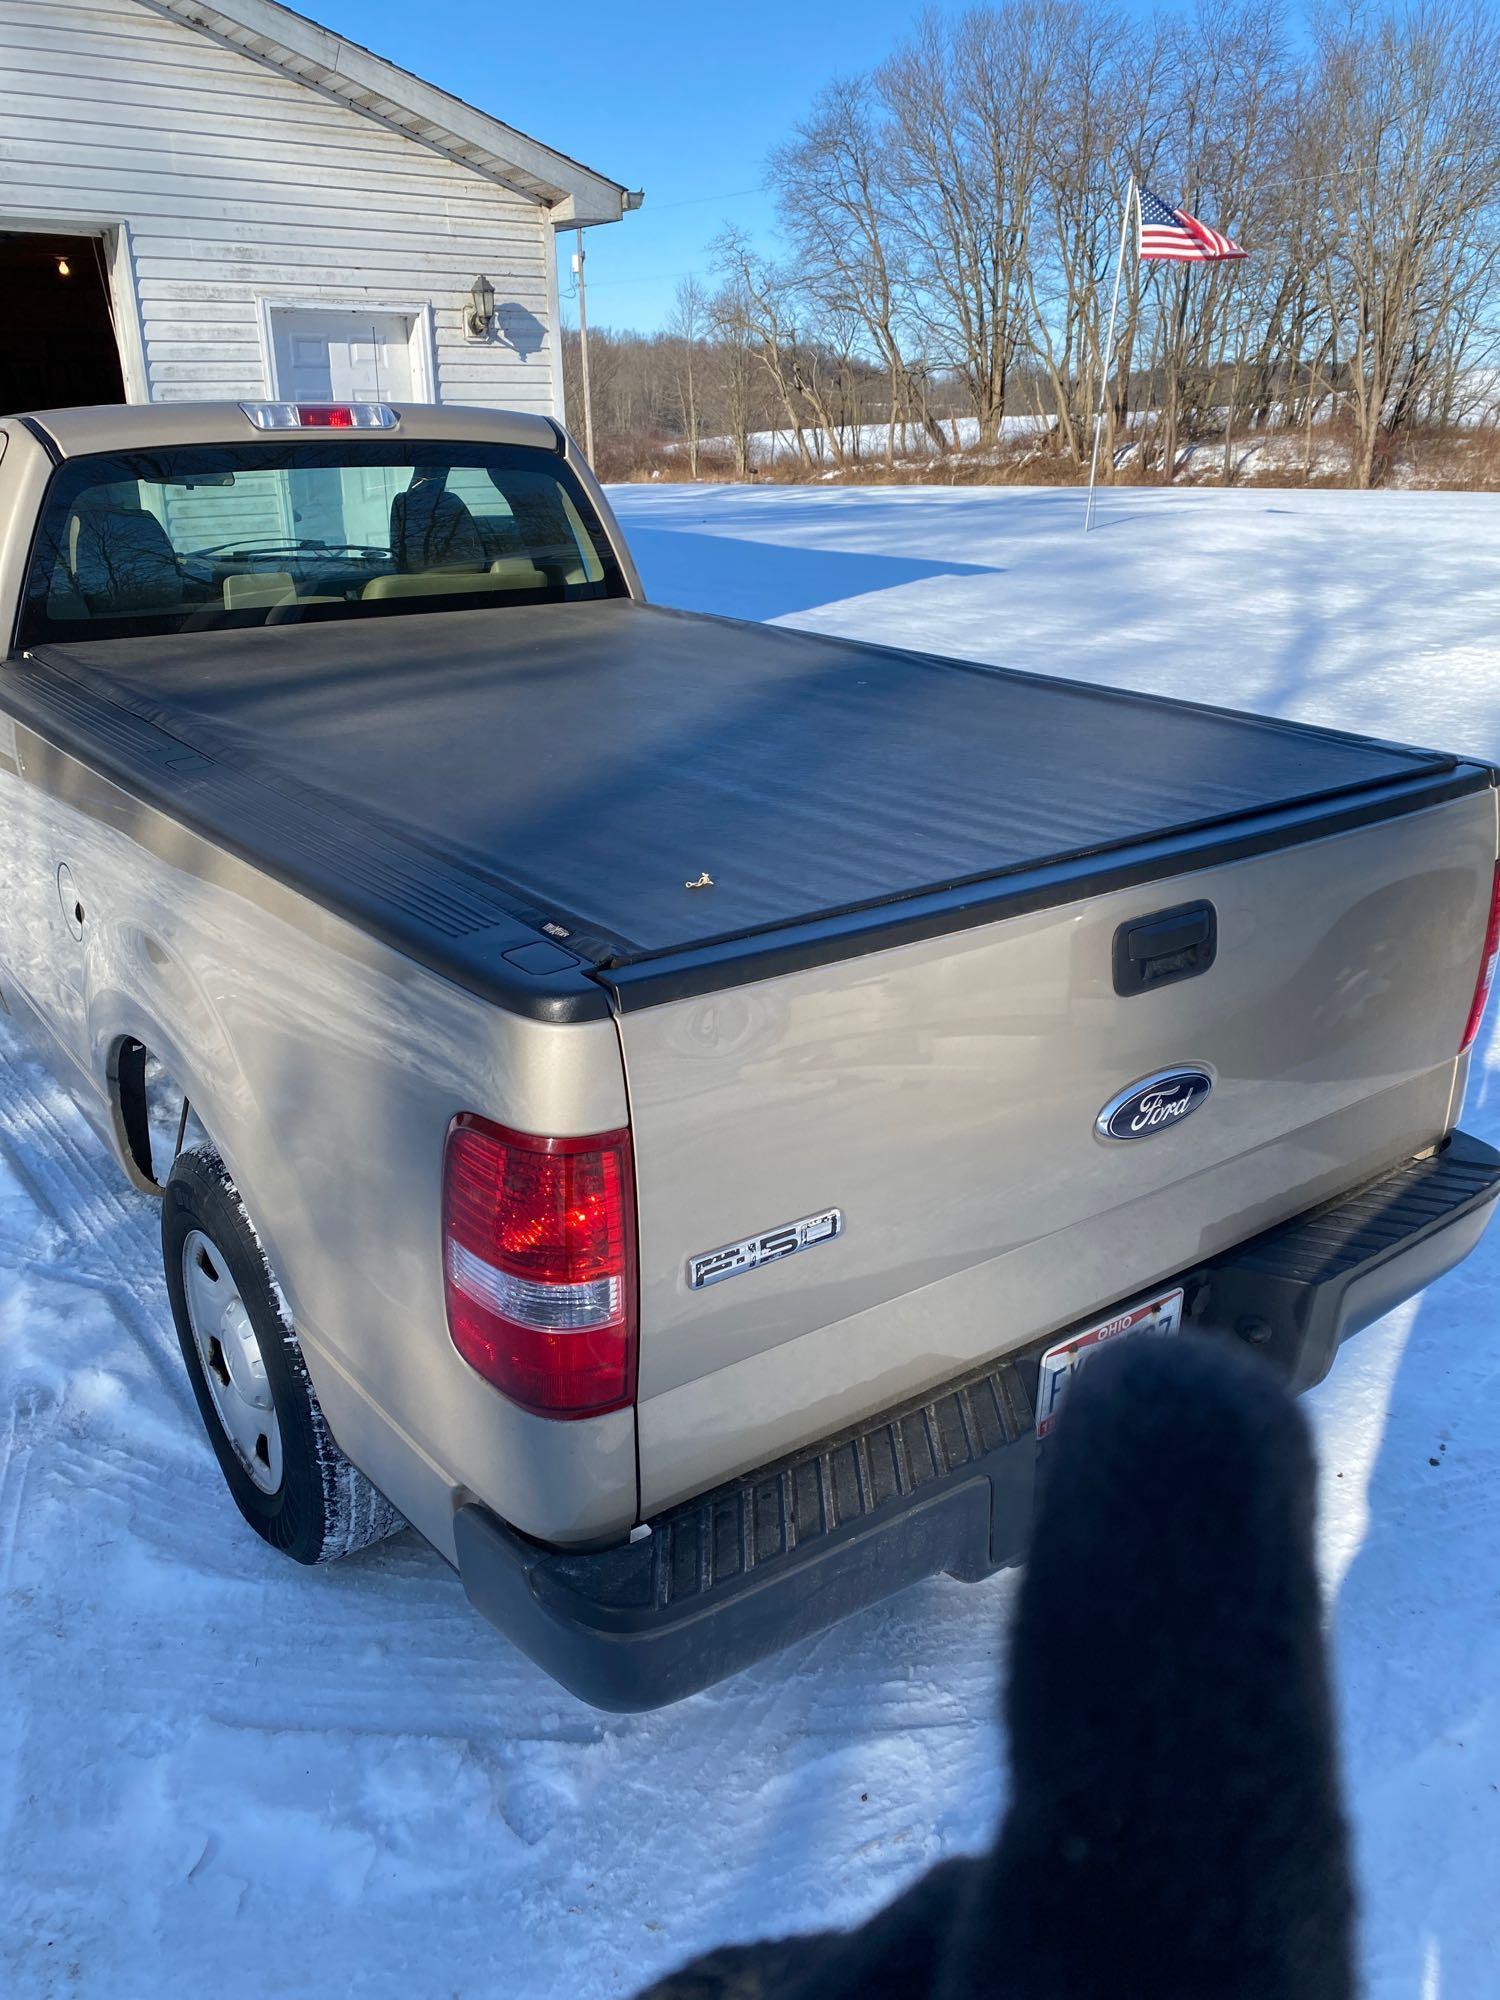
[
  {"x": 281, "y": 1463},
  {"x": 233, "y": 1365}
]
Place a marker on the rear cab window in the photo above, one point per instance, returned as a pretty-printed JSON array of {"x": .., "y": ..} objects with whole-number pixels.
[{"x": 196, "y": 537}]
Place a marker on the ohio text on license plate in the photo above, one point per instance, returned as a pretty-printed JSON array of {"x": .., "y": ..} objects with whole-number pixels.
[{"x": 1060, "y": 1364}]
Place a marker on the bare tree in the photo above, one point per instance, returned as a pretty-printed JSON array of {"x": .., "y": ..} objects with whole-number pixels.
[
  {"x": 734, "y": 370},
  {"x": 688, "y": 328},
  {"x": 966, "y": 108},
  {"x": 835, "y": 206},
  {"x": 760, "y": 299},
  {"x": 1102, "y": 132},
  {"x": 1412, "y": 120}
]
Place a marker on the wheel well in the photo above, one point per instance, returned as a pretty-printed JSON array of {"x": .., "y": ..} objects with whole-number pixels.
[
  {"x": 151, "y": 1113},
  {"x": 127, "y": 1076}
]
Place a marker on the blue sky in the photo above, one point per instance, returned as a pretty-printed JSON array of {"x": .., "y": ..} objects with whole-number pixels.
[{"x": 681, "y": 100}]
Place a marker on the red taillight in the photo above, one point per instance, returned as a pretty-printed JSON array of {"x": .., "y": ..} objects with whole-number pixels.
[
  {"x": 539, "y": 1263},
  {"x": 326, "y": 416},
  {"x": 1487, "y": 962}
]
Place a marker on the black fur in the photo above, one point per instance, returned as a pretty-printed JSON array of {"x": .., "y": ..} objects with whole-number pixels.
[{"x": 1174, "y": 1829}]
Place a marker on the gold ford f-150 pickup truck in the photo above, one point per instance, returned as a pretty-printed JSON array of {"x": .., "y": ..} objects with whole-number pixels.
[{"x": 664, "y": 1105}]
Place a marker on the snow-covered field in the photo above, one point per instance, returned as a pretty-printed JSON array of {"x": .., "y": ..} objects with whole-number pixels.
[
  {"x": 223, "y": 1775},
  {"x": 863, "y": 440}
]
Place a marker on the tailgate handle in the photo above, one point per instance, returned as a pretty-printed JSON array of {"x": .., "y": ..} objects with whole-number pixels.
[{"x": 1167, "y": 946}]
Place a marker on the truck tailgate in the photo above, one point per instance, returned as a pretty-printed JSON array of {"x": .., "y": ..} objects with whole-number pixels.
[{"x": 942, "y": 1094}]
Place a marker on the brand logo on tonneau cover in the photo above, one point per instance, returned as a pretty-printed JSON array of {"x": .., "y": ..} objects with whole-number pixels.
[
  {"x": 711, "y": 1267},
  {"x": 1155, "y": 1104}
]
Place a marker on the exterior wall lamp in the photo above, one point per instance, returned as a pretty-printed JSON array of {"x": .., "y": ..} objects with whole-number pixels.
[{"x": 481, "y": 312}]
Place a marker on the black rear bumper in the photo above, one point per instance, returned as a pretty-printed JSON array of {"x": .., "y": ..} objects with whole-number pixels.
[{"x": 940, "y": 1485}]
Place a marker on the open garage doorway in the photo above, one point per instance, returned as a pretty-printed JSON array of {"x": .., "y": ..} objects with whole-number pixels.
[{"x": 58, "y": 344}]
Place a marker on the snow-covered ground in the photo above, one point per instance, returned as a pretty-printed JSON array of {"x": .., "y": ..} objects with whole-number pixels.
[{"x": 221, "y": 1774}]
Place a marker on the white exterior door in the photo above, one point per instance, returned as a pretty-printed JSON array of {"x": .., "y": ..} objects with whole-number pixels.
[{"x": 342, "y": 357}]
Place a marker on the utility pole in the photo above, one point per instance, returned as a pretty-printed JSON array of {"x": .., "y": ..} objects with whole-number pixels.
[{"x": 583, "y": 354}]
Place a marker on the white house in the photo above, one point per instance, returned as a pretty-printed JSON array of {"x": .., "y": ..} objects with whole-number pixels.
[{"x": 226, "y": 200}]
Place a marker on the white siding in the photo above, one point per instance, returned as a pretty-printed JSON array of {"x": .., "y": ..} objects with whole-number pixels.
[{"x": 239, "y": 184}]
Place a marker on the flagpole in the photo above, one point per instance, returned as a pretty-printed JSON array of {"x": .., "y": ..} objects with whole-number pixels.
[{"x": 1109, "y": 352}]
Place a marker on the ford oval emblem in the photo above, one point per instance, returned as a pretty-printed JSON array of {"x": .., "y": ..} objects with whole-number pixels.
[{"x": 1155, "y": 1104}]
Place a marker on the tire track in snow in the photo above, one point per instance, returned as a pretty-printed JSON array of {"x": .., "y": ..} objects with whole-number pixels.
[
  {"x": 32, "y": 1414},
  {"x": 108, "y": 1231},
  {"x": 70, "y": 1177},
  {"x": 140, "y": 1307}
]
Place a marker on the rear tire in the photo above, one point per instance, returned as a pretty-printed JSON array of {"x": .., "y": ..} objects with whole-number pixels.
[{"x": 278, "y": 1457}]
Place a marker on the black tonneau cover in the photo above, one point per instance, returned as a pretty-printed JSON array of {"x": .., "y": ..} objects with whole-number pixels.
[{"x": 579, "y": 766}]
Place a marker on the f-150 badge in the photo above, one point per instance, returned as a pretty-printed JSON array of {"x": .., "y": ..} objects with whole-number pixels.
[
  {"x": 713, "y": 1266},
  {"x": 1153, "y": 1105}
]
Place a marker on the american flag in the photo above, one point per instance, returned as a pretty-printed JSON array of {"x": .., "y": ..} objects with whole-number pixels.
[{"x": 1179, "y": 238}]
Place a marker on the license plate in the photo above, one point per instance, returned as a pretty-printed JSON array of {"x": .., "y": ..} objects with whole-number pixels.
[{"x": 1061, "y": 1363}]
